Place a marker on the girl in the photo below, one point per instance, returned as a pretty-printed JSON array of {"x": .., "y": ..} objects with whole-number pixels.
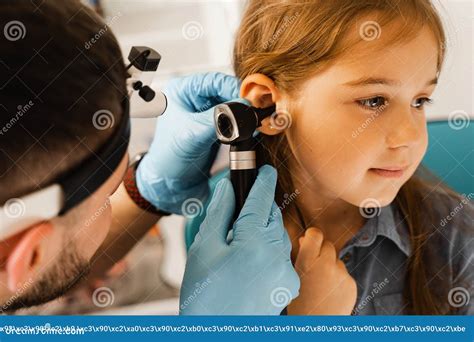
[{"x": 350, "y": 80}]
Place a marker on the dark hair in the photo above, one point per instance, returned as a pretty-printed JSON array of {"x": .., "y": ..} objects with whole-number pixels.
[{"x": 60, "y": 65}]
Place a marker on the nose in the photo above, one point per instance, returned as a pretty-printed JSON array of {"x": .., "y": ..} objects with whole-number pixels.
[{"x": 404, "y": 130}]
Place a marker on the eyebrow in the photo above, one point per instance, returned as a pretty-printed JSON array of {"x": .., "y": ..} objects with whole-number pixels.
[{"x": 380, "y": 80}]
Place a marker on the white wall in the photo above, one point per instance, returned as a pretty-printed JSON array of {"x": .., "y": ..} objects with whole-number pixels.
[{"x": 455, "y": 91}]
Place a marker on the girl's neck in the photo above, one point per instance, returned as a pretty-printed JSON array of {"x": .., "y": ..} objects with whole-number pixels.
[{"x": 336, "y": 218}]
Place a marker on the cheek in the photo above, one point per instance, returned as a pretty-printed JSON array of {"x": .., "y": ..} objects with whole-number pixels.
[
  {"x": 422, "y": 144},
  {"x": 418, "y": 152},
  {"x": 327, "y": 148}
]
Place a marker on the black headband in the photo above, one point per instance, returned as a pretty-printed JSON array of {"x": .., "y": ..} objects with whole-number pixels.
[{"x": 93, "y": 172}]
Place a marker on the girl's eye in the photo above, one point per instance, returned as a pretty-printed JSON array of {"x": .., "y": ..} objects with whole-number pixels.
[
  {"x": 373, "y": 103},
  {"x": 419, "y": 103}
]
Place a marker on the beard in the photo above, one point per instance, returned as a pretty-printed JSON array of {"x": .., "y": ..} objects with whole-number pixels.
[{"x": 65, "y": 273}]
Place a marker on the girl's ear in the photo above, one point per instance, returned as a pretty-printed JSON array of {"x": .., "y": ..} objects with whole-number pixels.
[{"x": 261, "y": 92}]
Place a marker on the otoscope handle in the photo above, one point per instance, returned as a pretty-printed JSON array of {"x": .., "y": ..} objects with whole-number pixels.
[
  {"x": 242, "y": 181},
  {"x": 243, "y": 171}
]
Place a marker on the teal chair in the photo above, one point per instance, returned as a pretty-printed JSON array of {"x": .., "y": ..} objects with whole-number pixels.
[{"x": 450, "y": 156}]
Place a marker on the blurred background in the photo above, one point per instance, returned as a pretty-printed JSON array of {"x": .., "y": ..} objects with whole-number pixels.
[{"x": 197, "y": 36}]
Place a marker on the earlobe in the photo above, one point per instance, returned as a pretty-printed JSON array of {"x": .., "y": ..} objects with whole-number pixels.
[
  {"x": 276, "y": 123},
  {"x": 261, "y": 92}
]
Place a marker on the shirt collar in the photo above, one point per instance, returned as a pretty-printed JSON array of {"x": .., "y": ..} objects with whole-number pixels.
[{"x": 387, "y": 223}]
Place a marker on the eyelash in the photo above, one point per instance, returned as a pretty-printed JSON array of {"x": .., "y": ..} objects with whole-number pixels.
[{"x": 362, "y": 102}]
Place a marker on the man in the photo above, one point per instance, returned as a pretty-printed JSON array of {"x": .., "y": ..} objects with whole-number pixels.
[{"x": 52, "y": 89}]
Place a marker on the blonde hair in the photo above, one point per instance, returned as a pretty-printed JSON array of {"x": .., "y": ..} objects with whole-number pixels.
[{"x": 289, "y": 41}]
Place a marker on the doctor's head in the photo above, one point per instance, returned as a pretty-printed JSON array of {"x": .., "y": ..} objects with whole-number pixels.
[{"x": 60, "y": 66}]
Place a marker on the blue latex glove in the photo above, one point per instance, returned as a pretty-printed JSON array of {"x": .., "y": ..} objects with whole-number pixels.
[
  {"x": 250, "y": 275},
  {"x": 176, "y": 167}
]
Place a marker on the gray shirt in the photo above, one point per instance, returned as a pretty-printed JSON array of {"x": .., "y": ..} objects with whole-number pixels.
[{"x": 376, "y": 257}]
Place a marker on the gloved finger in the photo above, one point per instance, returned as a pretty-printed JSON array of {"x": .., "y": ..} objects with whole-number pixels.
[
  {"x": 293, "y": 280},
  {"x": 257, "y": 207},
  {"x": 211, "y": 88},
  {"x": 287, "y": 246},
  {"x": 219, "y": 214},
  {"x": 199, "y": 92},
  {"x": 276, "y": 229}
]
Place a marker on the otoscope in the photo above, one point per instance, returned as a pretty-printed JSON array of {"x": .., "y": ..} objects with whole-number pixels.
[{"x": 235, "y": 124}]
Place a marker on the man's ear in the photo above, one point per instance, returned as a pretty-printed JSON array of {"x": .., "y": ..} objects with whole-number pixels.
[
  {"x": 27, "y": 256},
  {"x": 261, "y": 92}
]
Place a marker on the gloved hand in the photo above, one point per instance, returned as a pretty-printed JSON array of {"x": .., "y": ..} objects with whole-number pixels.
[
  {"x": 176, "y": 167},
  {"x": 250, "y": 275}
]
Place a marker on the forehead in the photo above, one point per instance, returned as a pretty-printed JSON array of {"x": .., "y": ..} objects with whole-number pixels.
[{"x": 414, "y": 59}]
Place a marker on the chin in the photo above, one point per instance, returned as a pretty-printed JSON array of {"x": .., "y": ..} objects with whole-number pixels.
[
  {"x": 376, "y": 199},
  {"x": 387, "y": 199}
]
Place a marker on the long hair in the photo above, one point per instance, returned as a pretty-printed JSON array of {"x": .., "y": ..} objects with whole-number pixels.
[{"x": 308, "y": 35}]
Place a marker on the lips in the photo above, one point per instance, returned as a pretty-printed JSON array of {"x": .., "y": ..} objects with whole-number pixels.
[
  {"x": 389, "y": 171},
  {"x": 392, "y": 168}
]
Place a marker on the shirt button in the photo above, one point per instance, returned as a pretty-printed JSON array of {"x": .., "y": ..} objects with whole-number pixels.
[{"x": 346, "y": 257}]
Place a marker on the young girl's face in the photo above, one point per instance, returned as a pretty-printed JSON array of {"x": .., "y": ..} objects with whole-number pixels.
[{"x": 365, "y": 112}]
